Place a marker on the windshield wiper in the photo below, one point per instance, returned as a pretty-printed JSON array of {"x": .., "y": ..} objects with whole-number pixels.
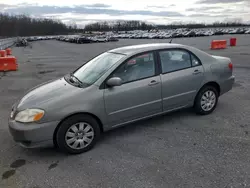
[
  {"x": 72, "y": 75},
  {"x": 73, "y": 78}
]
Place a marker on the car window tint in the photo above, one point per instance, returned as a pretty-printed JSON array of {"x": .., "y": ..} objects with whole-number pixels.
[
  {"x": 173, "y": 60},
  {"x": 139, "y": 67},
  {"x": 195, "y": 61}
]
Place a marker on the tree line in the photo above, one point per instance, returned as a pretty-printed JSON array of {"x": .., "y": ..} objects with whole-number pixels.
[
  {"x": 202, "y": 25},
  {"x": 22, "y": 25},
  {"x": 118, "y": 26},
  {"x": 138, "y": 25}
]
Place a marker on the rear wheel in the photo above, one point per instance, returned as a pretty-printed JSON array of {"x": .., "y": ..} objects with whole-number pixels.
[
  {"x": 78, "y": 134},
  {"x": 206, "y": 100}
]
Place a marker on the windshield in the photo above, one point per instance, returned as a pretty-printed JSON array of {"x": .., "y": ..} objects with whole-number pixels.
[{"x": 95, "y": 68}]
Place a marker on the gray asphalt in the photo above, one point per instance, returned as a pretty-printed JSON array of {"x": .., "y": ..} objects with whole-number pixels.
[{"x": 180, "y": 149}]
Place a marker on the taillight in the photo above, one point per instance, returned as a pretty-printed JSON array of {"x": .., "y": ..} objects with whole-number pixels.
[{"x": 230, "y": 66}]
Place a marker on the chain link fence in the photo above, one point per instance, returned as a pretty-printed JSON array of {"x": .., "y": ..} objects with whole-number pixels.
[{"x": 7, "y": 42}]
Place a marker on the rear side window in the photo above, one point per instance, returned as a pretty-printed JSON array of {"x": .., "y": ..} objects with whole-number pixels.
[
  {"x": 174, "y": 60},
  {"x": 195, "y": 61}
]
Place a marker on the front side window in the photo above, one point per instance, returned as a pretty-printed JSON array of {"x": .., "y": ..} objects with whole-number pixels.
[
  {"x": 137, "y": 68},
  {"x": 95, "y": 68},
  {"x": 174, "y": 60}
]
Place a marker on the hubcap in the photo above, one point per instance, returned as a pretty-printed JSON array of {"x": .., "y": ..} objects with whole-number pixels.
[
  {"x": 208, "y": 100},
  {"x": 79, "y": 135}
]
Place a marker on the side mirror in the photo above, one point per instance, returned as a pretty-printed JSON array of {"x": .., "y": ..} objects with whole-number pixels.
[{"x": 115, "y": 81}]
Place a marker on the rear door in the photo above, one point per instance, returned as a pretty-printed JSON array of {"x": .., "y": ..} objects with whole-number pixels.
[
  {"x": 182, "y": 75},
  {"x": 140, "y": 94}
]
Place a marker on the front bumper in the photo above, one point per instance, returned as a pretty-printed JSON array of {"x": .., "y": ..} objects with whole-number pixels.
[{"x": 33, "y": 135}]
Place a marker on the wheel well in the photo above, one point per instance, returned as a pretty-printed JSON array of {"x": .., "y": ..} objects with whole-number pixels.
[
  {"x": 215, "y": 85},
  {"x": 80, "y": 113}
]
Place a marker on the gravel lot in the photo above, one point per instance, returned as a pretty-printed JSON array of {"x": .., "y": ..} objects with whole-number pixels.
[{"x": 180, "y": 149}]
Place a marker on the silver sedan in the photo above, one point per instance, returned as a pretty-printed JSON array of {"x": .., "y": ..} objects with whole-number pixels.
[{"x": 118, "y": 87}]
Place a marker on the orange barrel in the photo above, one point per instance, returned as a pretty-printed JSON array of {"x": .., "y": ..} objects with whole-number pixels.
[
  {"x": 8, "y": 63},
  {"x": 233, "y": 41},
  {"x": 2, "y": 53},
  {"x": 8, "y": 51}
]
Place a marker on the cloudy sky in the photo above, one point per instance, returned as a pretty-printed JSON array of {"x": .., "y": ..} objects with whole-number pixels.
[{"x": 82, "y": 12}]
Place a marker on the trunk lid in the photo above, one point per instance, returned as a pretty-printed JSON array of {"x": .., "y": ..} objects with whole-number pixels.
[
  {"x": 222, "y": 66},
  {"x": 222, "y": 59}
]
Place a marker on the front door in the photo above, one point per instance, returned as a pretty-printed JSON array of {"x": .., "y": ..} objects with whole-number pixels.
[
  {"x": 182, "y": 75},
  {"x": 140, "y": 94}
]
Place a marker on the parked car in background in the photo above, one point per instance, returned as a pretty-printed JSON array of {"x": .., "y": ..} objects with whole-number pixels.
[
  {"x": 118, "y": 87},
  {"x": 99, "y": 39},
  {"x": 82, "y": 40},
  {"x": 112, "y": 39},
  {"x": 21, "y": 42},
  {"x": 140, "y": 34},
  {"x": 247, "y": 31}
]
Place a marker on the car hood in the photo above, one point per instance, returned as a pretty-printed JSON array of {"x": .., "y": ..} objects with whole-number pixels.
[{"x": 47, "y": 92}]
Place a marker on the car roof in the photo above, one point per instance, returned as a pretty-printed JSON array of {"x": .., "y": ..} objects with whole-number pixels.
[
  {"x": 135, "y": 49},
  {"x": 129, "y": 50}
]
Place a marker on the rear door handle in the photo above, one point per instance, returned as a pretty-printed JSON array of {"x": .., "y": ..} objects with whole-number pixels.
[
  {"x": 196, "y": 72},
  {"x": 153, "y": 82}
]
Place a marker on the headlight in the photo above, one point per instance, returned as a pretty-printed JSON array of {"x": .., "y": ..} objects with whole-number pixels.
[{"x": 29, "y": 115}]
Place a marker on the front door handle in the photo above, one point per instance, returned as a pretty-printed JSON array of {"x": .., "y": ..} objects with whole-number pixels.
[
  {"x": 153, "y": 82},
  {"x": 196, "y": 72}
]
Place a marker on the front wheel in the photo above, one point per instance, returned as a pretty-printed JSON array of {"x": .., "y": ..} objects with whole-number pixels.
[
  {"x": 206, "y": 100},
  {"x": 78, "y": 134}
]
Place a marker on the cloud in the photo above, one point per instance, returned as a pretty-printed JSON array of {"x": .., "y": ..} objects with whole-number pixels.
[
  {"x": 219, "y": 1},
  {"x": 220, "y": 10},
  {"x": 203, "y": 9},
  {"x": 99, "y": 5},
  {"x": 151, "y": 6},
  {"x": 235, "y": 11},
  {"x": 3, "y": 6},
  {"x": 86, "y": 9},
  {"x": 161, "y": 7},
  {"x": 198, "y": 15}
]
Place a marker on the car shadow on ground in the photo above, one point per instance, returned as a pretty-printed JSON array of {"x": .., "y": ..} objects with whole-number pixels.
[{"x": 154, "y": 122}]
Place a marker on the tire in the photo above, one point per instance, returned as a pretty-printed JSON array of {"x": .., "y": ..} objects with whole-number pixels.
[
  {"x": 200, "y": 107},
  {"x": 79, "y": 138}
]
